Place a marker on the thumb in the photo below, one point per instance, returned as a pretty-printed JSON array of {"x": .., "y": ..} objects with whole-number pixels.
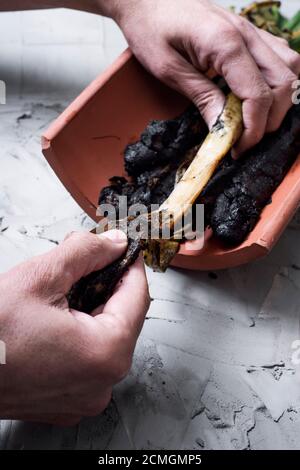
[
  {"x": 185, "y": 78},
  {"x": 83, "y": 253}
]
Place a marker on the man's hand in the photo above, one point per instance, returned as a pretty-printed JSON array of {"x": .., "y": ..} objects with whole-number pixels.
[
  {"x": 180, "y": 40},
  {"x": 62, "y": 364}
]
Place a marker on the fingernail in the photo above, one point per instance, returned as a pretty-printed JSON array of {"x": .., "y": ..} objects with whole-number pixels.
[{"x": 116, "y": 236}]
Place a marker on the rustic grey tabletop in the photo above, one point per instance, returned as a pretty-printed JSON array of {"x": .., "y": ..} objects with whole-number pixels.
[{"x": 214, "y": 365}]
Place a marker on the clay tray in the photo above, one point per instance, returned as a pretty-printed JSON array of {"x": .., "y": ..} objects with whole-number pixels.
[{"x": 85, "y": 147}]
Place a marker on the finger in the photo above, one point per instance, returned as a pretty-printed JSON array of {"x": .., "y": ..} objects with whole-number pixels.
[
  {"x": 281, "y": 47},
  {"x": 131, "y": 300},
  {"x": 239, "y": 69},
  {"x": 179, "y": 74},
  {"x": 276, "y": 73},
  {"x": 234, "y": 62},
  {"x": 81, "y": 254},
  {"x": 257, "y": 100}
]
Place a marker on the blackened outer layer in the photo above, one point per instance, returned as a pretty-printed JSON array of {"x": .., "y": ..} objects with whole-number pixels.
[
  {"x": 150, "y": 187},
  {"x": 237, "y": 209},
  {"x": 152, "y": 163},
  {"x": 163, "y": 142},
  {"x": 233, "y": 200},
  {"x": 96, "y": 288}
]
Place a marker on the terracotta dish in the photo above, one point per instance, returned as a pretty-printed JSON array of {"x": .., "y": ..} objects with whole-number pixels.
[{"x": 85, "y": 147}]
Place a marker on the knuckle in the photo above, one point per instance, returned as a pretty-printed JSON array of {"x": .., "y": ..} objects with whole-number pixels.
[
  {"x": 229, "y": 32},
  {"x": 264, "y": 97},
  {"x": 287, "y": 81},
  {"x": 231, "y": 40},
  {"x": 289, "y": 78}
]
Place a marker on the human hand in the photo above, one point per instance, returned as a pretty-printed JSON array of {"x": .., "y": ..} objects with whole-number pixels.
[
  {"x": 180, "y": 40},
  {"x": 62, "y": 364}
]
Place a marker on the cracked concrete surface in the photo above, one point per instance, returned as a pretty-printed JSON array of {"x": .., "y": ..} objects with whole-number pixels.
[{"x": 213, "y": 367}]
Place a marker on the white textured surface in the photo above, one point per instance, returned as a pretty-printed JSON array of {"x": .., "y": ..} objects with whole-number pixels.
[
  {"x": 213, "y": 365},
  {"x": 56, "y": 50},
  {"x": 63, "y": 50}
]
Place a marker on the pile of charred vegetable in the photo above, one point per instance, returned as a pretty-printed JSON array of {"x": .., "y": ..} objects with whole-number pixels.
[{"x": 174, "y": 164}]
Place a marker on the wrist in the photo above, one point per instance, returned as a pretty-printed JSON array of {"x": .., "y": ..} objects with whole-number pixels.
[{"x": 117, "y": 9}]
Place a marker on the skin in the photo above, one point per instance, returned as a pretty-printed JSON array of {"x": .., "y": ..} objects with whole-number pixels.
[
  {"x": 62, "y": 364},
  {"x": 170, "y": 39}
]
